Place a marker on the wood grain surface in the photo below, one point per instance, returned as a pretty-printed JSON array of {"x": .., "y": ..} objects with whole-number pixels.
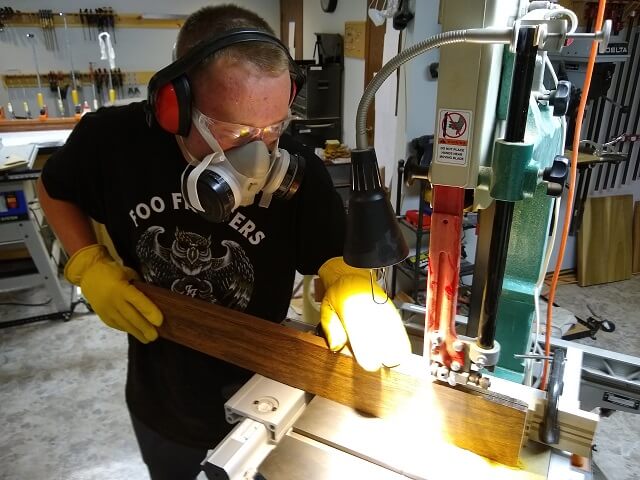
[
  {"x": 483, "y": 422},
  {"x": 35, "y": 124},
  {"x": 604, "y": 240},
  {"x": 635, "y": 268}
]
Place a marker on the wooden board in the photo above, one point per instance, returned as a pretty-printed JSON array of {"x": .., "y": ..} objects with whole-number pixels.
[
  {"x": 35, "y": 124},
  {"x": 30, "y": 80},
  {"x": 12, "y": 252},
  {"x": 566, "y": 277},
  {"x": 635, "y": 267},
  {"x": 486, "y": 423},
  {"x": 122, "y": 20},
  {"x": 604, "y": 240}
]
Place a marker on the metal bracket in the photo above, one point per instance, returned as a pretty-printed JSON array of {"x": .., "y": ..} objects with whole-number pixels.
[
  {"x": 271, "y": 403},
  {"x": 549, "y": 428}
]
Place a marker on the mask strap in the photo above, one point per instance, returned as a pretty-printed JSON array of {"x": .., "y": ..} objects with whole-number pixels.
[
  {"x": 265, "y": 198},
  {"x": 199, "y": 165},
  {"x": 198, "y": 119},
  {"x": 192, "y": 178},
  {"x": 185, "y": 152},
  {"x": 275, "y": 153},
  {"x": 192, "y": 182}
]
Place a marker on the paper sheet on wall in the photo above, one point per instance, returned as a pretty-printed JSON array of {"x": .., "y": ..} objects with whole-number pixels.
[
  {"x": 291, "y": 43},
  {"x": 386, "y": 122}
]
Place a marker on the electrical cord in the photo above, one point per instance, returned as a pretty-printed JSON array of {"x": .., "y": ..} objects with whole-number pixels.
[
  {"x": 534, "y": 346},
  {"x": 572, "y": 179}
]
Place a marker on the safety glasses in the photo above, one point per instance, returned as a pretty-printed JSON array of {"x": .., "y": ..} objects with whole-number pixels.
[{"x": 236, "y": 135}]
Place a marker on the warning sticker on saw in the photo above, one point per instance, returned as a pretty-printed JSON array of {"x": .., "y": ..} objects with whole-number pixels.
[{"x": 454, "y": 127}]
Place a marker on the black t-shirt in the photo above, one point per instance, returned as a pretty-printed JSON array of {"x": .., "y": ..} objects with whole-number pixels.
[{"x": 124, "y": 174}]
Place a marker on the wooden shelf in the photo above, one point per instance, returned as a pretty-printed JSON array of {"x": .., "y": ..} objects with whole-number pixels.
[
  {"x": 122, "y": 20},
  {"x": 29, "y": 80},
  {"x": 35, "y": 124}
]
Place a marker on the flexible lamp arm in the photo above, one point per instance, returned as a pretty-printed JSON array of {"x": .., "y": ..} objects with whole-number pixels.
[{"x": 473, "y": 35}]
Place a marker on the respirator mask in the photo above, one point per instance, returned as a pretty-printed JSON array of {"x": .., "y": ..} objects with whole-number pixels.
[{"x": 223, "y": 181}]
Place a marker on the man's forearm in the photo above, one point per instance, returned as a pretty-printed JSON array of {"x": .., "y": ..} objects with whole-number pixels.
[{"x": 70, "y": 224}]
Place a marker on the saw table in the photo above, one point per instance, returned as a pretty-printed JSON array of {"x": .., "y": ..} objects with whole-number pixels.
[
  {"x": 318, "y": 439},
  {"x": 21, "y": 220},
  {"x": 399, "y": 419}
]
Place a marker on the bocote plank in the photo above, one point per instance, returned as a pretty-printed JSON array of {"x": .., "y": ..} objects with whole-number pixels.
[{"x": 483, "y": 422}]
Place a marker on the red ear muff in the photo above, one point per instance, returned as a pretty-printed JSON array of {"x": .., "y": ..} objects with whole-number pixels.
[
  {"x": 169, "y": 93},
  {"x": 166, "y": 108},
  {"x": 294, "y": 91},
  {"x": 172, "y": 106},
  {"x": 297, "y": 80}
]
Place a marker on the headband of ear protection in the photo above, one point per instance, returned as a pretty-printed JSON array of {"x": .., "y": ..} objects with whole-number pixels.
[{"x": 169, "y": 95}]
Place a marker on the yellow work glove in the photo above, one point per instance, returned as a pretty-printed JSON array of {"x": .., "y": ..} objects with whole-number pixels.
[
  {"x": 105, "y": 285},
  {"x": 356, "y": 309}
]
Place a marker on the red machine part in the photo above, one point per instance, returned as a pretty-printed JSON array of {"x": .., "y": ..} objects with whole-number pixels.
[
  {"x": 412, "y": 218},
  {"x": 443, "y": 278}
]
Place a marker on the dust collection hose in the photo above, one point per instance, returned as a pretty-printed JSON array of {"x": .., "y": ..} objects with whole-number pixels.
[{"x": 473, "y": 35}]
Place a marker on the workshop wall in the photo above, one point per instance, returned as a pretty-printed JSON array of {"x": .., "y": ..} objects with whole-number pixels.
[
  {"x": 147, "y": 49},
  {"x": 605, "y": 119},
  {"x": 417, "y": 91},
  {"x": 417, "y": 94},
  {"x": 422, "y": 89},
  {"x": 136, "y": 49},
  {"x": 317, "y": 21}
]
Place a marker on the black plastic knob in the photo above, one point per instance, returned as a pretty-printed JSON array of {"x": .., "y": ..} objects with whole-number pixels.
[
  {"x": 556, "y": 175},
  {"x": 560, "y": 98}
]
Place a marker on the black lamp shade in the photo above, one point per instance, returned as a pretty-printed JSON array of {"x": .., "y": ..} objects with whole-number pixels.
[{"x": 373, "y": 238}]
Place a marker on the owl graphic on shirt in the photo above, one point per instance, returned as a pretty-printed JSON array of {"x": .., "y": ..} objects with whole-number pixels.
[{"x": 186, "y": 265}]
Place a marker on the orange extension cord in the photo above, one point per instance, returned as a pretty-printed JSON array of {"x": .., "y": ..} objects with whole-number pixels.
[{"x": 572, "y": 181}]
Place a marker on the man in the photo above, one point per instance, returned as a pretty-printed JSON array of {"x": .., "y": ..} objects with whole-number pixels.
[{"x": 142, "y": 182}]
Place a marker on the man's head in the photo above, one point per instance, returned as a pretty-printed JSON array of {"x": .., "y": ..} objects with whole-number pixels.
[{"x": 246, "y": 84}]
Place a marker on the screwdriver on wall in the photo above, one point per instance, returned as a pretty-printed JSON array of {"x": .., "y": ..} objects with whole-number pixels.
[
  {"x": 54, "y": 86},
  {"x": 107, "y": 53},
  {"x": 61, "y": 96},
  {"x": 74, "y": 91},
  {"x": 25, "y": 104},
  {"x": 41, "y": 104},
  {"x": 11, "y": 113},
  {"x": 92, "y": 74}
]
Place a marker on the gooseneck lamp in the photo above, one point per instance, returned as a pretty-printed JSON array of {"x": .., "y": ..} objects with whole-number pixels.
[{"x": 373, "y": 239}]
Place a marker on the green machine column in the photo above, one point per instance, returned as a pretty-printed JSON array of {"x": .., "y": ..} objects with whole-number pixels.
[
  {"x": 527, "y": 245},
  {"x": 515, "y": 175}
]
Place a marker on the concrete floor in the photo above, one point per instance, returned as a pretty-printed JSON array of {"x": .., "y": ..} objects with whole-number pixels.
[
  {"x": 62, "y": 412},
  {"x": 618, "y": 437}
]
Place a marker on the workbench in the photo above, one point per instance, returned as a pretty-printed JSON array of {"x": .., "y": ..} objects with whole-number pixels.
[{"x": 586, "y": 164}]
